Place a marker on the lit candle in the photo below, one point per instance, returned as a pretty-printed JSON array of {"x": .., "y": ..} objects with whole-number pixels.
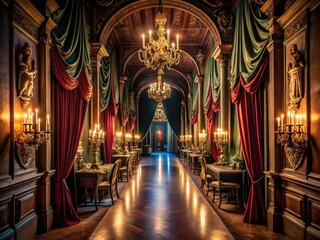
[
  {"x": 289, "y": 116},
  {"x": 36, "y": 115},
  {"x": 48, "y": 123},
  {"x": 278, "y": 123},
  {"x": 24, "y": 118},
  {"x": 39, "y": 126},
  {"x": 226, "y": 136},
  {"x": 292, "y": 118},
  {"x": 282, "y": 117},
  {"x": 150, "y": 36},
  {"x": 168, "y": 36},
  {"x": 143, "y": 41},
  {"x": 90, "y": 133},
  {"x": 177, "y": 41},
  {"x": 31, "y": 118}
]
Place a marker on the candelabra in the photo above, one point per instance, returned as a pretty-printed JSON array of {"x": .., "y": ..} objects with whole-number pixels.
[
  {"x": 96, "y": 138},
  {"x": 128, "y": 140},
  {"x": 79, "y": 156},
  {"x": 188, "y": 140},
  {"x": 293, "y": 138},
  {"x": 202, "y": 140},
  {"x": 221, "y": 139},
  {"x": 30, "y": 137},
  {"x": 136, "y": 140},
  {"x": 118, "y": 142},
  {"x": 158, "y": 53},
  {"x": 182, "y": 140}
]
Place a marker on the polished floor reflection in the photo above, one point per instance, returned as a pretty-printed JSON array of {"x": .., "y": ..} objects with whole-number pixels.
[{"x": 161, "y": 202}]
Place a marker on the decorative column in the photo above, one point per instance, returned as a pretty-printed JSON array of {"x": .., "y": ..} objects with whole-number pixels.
[
  {"x": 182, "y": 117},
  {"x": 222, "y": 54},
  {"x": 122, "y": 81},
  {"x": 137, "y": 114},
  {"x": 275, "y": 108},
  {"x": 45, "y": 151},
  {"x": 98, "y": 51},
  {"x": 201, "y": 117}
]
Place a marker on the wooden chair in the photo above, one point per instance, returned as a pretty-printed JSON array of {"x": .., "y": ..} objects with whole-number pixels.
[
  {"x": 112, "y": 182},
  {"x": 206, "y": 179},
  {"x": 226, "y": 189},
  {"x": 127, "y": 169}
]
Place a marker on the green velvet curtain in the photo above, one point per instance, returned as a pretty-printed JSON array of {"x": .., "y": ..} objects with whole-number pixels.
[
  {"x": 105, "y": 83},
  {"x": 72, "y": 39},
  {"x": 211, "y": 79},
  {"x": 172, "y": 108},
  {"x": 250, "y": 41},
  {"x": 147, "y": 108}
]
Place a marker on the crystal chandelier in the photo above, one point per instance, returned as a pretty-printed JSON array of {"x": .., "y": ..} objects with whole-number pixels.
[
  {"x": 159, "y": 91},
  {"x": 160, "y": 115},
  {"x": 158, "y": 53}
]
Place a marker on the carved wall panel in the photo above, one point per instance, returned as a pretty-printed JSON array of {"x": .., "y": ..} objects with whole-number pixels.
[
  {"x": 313, "y": 220},
  {"x": 314, "y": 95}
]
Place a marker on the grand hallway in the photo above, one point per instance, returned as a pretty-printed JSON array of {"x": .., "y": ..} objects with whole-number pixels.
[{"x": 161, "y": 202}]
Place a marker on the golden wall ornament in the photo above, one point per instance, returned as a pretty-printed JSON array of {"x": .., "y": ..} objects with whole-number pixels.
[
  {"x": 30, "y": 137},
  {"x": 295, "y": 83},
  {"x": 26, "y": 73},
  {"x": 293, "y": 138}
]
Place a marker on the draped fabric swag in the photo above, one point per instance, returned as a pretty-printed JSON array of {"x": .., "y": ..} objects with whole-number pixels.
[
  {"x": 194, "y": 103},
  {"x": 108, "y": 106},
  {"x": 249, "y": 68},
  {"x": 147, "y": 109},
  {"x": 71, "y": 91},
  {"x": 172, "y": 109},
  {"x": 211, "y": 104}
]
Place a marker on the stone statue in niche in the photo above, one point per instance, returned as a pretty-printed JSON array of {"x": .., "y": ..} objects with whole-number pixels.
[
  {"x": 295, "y": 84},
  {"x": 26, "y": 74}
]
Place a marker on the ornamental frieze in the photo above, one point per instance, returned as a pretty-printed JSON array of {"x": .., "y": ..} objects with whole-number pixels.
[
  {"x": 25, "y": 24},
  {"x": 295, "y": 27}
]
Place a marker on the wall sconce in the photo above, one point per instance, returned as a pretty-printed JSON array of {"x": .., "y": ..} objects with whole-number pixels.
[
  {"x": 221, "y": 139},
  {"x": 30, "y": 138},
  {"x": 292, "y": 137},
  {"x": 96, "y": 138}
]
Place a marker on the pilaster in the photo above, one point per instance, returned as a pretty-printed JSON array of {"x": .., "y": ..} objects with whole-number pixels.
[
  {"x": 45, "y": 151},
  {"x": 98, "y": 51},
  {"x": 222, "y": 55},
  {"x": 275, "y": 93}
]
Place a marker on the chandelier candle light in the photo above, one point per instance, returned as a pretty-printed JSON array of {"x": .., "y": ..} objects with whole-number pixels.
[
  {"x": 30, "y": 137},
  {"x": 221, "y": 139},
  {"x": 96, "y": 138},
  {"x": 158, "y": 53},
  {"x": 292, "y": 137},
  {"x": 159, "y": 91}
]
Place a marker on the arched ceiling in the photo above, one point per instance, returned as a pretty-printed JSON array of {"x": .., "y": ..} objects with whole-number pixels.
[{"x": 125, "y": 27}]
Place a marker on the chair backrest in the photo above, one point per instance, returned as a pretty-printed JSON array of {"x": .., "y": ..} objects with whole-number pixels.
[
  {"x": 203, "y": 173},
  {"x": 114, "y": 172}
]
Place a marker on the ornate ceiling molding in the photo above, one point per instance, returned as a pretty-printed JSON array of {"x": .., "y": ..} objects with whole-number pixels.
[{"x": 119, "y": 10}]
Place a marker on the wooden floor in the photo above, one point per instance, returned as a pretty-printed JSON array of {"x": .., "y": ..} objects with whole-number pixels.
[{"x": 161, "y": 202}]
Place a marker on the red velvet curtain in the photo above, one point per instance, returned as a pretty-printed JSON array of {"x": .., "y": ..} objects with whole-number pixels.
[
  {"x": 107, "y": 120},
  {"x": 131, "y": 122},
  {"x": 123, "y": 117},
  {"x": 194, "y": 118},
  {"x": 249, "y": 100},
  {"x": 212, "y": 108},
  {"x": 70, "y": 100}
]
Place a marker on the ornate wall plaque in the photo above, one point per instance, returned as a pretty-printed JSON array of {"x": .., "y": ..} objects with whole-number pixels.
[
  {"x": 295, "y": 78},
  {"x": 26, "y": 73}
]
